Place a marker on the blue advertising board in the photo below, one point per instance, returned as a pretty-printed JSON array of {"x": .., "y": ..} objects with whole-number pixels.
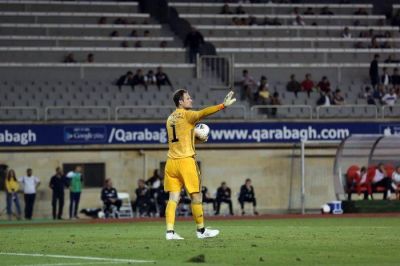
[{"x": 14, "y": 135}]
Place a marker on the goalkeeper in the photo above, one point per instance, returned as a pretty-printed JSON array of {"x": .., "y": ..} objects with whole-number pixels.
[{"x": 181, "y": 169}]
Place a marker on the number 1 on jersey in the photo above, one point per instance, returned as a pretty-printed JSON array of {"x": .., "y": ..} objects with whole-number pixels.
[{"x": 174, "y": 138}]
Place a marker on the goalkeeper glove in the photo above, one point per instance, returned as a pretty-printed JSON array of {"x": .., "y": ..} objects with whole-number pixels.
[{"x": 228, "y": 99}]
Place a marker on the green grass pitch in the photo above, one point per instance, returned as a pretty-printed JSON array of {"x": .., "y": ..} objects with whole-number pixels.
[{"x": 311, "y": 241}]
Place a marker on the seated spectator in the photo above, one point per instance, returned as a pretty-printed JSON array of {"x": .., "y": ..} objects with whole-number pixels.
[
  {"x": 275, "y": 100},
  {"x": 126, "y": 79},
  {"x": 338, "y": 98},
  {"x": 298, "y": 21},
  {"x": 114, "y": 33},
  {"x": 146, "y": 33},
  {"x": 356, "y": 178},
  {"x": 225, "y": 10},
  {"x": 307, "y": 85},
  {"x": 247, "y": 84},
  {"x": 69, "y": 58},
  {"x": 240, "y": 10},
  {"x": 90, "y": 58},
  {"x": 247, "y": 195},
  {"x": 325, "y": 11},
  {"x": 244, "y": 22},
  {"x": 150, "y": 78},
  {"x": 324, "y": 99},
  {"x": 102, "y": 20},
  {"x": 396, "y": 79},
  {"x": 138, "y": 79},
  {"x": 154, "y": 183},
  {"x": 369, "y": 96},
  {"x": 236, "y": 21},
  {"x": 109, "y": 196},
  {"x": 309, "y": 11},
  {"x": 163, "y": 44},
  {"x": 138, "y": 44},
  {"x": 380, "y": 179},
  {"x": 379, "y": 93},
  {"x": 276, "y": 22},
  {"x": 224, "y": 196},
  {"x": 262, "y": 95},
  {"x": 374, "y": 44},
  {"x": 293, "y": 85},
  {"x": 124, "y": 44},
  {"x": 396, "y": 181},
  {"x": 361, "y": 11},
  {"x": 386, "y": 45},
  {"x": 386, "y": 78},
  {"x": 142, "y": 202},
  {"x": 207, "y": 198},
  {"x": 324, "y": 85},
  {"x": 346, "y": 34},
  {"x": 162, "y": 78},
  {"x": 120, "y": 21},
  {"x": 389, "y": 98},
  {"x": 133, "y": 33},
  {"x": 252, "y": 21}
]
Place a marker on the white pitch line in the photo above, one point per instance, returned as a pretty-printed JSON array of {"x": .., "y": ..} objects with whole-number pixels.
[
  {"x": 72, "y": 264},
  {"x": 74, "y": 257}
]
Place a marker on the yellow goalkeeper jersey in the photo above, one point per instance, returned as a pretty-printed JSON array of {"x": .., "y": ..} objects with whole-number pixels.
[{"x": 180, "y": 128}]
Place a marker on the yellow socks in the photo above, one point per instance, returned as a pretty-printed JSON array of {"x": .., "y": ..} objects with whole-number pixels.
[
  {"x": 170, "y": 214},
  {"x": 197, "y": 211}
]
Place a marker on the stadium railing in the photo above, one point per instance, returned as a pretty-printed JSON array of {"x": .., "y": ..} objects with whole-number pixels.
[
  {"x": 292, "y": 111},
  {"x": 5, "y": 112},
  {"x": 347, "y": 110},
  {"x": 48, "y": 116}
]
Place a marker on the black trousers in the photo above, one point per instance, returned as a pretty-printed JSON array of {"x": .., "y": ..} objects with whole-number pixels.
[
  {"x": 227, "y": 201},
  {"x": 210, "y": 200},
  {"x": 74, "y": 199},
  {"x": 29, "y": 202},
  {"x": 243, "y": 200},
  {"x": 386, "y": 183},
  {"x": 57, "y": 196},
  {"x": 108, "y": 204}
]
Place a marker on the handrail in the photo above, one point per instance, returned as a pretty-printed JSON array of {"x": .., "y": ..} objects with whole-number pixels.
[
  {"x": 295, "y": 39},
  {"x": 36, "y": 109},
  {"x": 67, "y": 3},
  {"x": 257, "y": 107},
  {"x": 73, "y": 14},
  {"x": 279, "y": 16},
  {"x": 318, "y": 108},
  {"x": 311, "y": 65},
  {"x": 290, "y": 27},
  {"x": 99, "y": 65},
  {"x": 383, "y": 108},
  {"x": 118, "y": 108},
  {"x": 47, "y": 108},
  {"x": 79, "y": 26},
  {"x": 88, "y": 49},
  {"x": 307, "y": 50},
  {"x": 85, "y": 38},
  {"x": 270, "y": 4}
]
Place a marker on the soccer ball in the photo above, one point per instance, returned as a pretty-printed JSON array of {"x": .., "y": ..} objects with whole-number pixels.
[
  {"x": 325, "y": 209},
  {"x": 101, "y": 214},
  {"x": 201, "y": 131}
]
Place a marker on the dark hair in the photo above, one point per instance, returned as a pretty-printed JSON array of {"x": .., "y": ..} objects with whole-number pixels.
[
  {"x": 9, "y": 175},
  {"x": 129, "y": 73},
  {"x": 178, "y": 96},
  {"x": 248, "y": 179},
  {"x": 106, "y": 181}
]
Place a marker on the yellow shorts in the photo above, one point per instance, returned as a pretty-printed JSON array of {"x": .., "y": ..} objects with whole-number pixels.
[{"x": 182, "y": 172}]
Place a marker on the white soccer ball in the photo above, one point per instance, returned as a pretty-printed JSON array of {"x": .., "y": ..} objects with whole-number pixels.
[
  {"x": 325, "y": 208},
  {"x": 100, "y": 214},
  {"x": 201, "y": 131}
]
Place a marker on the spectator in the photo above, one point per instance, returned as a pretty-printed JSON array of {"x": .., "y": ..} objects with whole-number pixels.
[
  {"x": 133, "y": 33},
  {"x": 389, "y": 98},
  {"x": 374, "y": 44},
  {"x": 275, "y": 100},
  {"x": 194, "y": 41},
  {"x": 75, "y": 186},
  {"x": 293, "y": 85},
  {"x": 396, "y": 179},
  {"x": 150, "y": 78},
  {"x": 138, "y": 44},
  {"x": 247, "y": 195},
  {"x": 356, "y": 179},
  {"x": 298, "y": 21},
  {"x": 338, "y": 98},
  {"x": 142, "y": 202},
  {"x": 346, "y": 34},
  {"x": 379, "y": 93},
  {"x": 146, "y": 33},
  {"x": 126, "y": 79},
  {"x": 236, "y": 21},
  {"x": 240, "y": 10},
  {"x": 324, "y": 99},
  {"x": 386, "y": 78},
  {"x": 12, "y": 187},
  {"x": 309, "y": 11},
  {"x": 263, "y": 95},
  {"x": 361, "y": 11},
  {"x": 109, "y": 196},
  {"x": 114, "y": 33},
  {"x": 390, "y": 59},
  {"x": 225, "y": 10},
  {"x": 90, "y": 58},
  {"x": 124, "y": 44},
  {"x": 307, "y": 85},
  {"x": 374, "y": 71},
  {"x": 248, "y": 83},
  {"x": 296, "y": 11},
  {"x": 381, "y": 179},
  {"x": 224, "y": 196},
  {"x": 396, "y": 79},
  {"x": 324, "y": 85},
  {"x": 369, "y": 96},
  {"x": 163, "y": 44},
  {"x": 162, "y": 78},
  {"x": 57, "y": 184},
  {"x": 31, "y": 183},
  {"x": 120, "y": 21},
  {"x": 276, "y": 22},
  {"x": 138, "y": 79},
  {"x": 325, "y": 11},
  {"x": 154, "y": 183},
  {"x": 69, "y": 58},
  {"x": 207, "y": 198},
  {"x": 102, "y": 20}
]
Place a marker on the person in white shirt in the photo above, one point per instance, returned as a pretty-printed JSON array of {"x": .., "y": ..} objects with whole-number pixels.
[
  {"x": 30, "y": 183},
  {"x": 396, "y": 181},
  {"x": 298, "y": 21},
  {"x": 382, "y": 180},
  {"x": 346, "y": 33},
  {"x": 389, "y": 98}
]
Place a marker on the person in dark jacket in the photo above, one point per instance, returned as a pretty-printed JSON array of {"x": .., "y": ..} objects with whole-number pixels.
[
  {"x": 374, "y": 71},
  {"x": 162, "y": 78},
  {"x": 126, "y": 79},
  {"x": 224, "y": 195},
  {"x": 247, "y": 195},
  {"x": 109, "y": 196},
  {"x": 58, "y": 182},
  {"x": 207, "y": 198},
  {"x": 194, "y": 40}
]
